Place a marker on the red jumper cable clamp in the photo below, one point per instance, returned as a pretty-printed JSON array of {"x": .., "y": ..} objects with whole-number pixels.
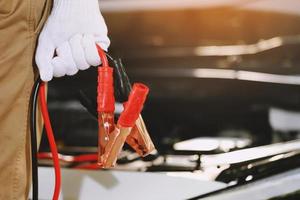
[{"x": 105, "y": 105}]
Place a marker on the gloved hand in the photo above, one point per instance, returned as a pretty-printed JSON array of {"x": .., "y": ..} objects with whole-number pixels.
[{"x": 70, "y": 34}]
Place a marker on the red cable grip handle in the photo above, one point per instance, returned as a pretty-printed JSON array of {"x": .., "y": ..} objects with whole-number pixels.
[
  {"x": 134, "y": 105},
  {"x": 105, "y": 88}
]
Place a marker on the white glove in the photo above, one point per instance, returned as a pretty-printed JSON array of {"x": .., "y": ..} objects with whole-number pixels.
[{"x": 71, "y": 33}]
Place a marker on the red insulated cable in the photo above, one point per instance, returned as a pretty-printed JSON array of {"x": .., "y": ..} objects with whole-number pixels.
[
  {"x": 51, "y": 140},
  {"x": 102, "y": 55},
  {"x": 70, "y": 159},
  {"x": 90, "y": 166},
  {"x": 85, "y": 158}
]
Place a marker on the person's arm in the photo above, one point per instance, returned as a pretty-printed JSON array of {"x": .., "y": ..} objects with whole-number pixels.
[{"x": 70, "y": 33}]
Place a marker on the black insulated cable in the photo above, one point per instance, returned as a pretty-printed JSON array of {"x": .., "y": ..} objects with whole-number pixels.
[{"x": 34, "y": 149}]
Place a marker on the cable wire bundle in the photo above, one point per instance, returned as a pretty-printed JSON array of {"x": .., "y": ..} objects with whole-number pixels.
[
  {"x": 130, "y": 127},
  {"x": 39, "y": 89}
]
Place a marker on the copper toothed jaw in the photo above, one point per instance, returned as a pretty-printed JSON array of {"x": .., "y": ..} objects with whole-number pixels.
[
  {"x": 114, "y": 146},
  {"x": 109, "y": 155},
  {"x": 106, "y": 126},
  {"x": 139, "y": 138}
]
